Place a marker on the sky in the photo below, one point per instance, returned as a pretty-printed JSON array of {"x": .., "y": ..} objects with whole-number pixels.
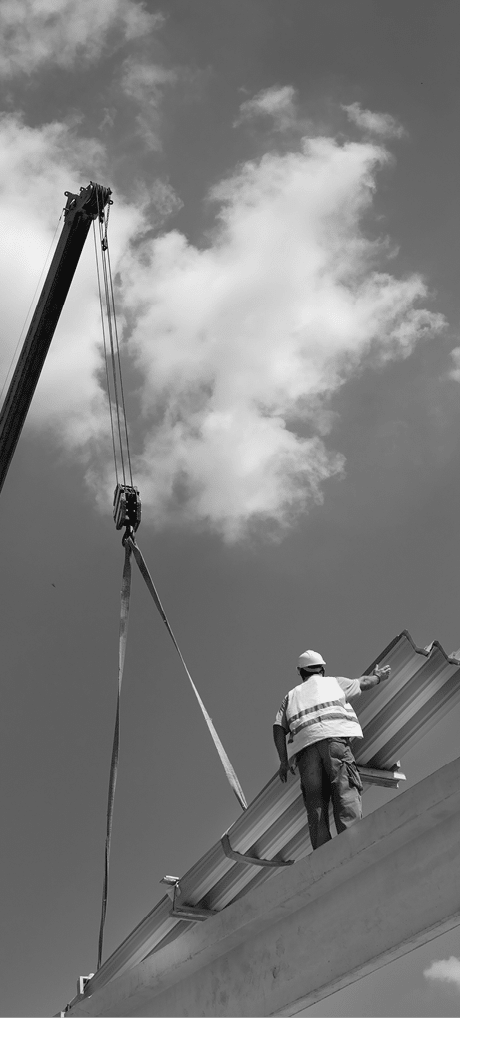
[{"x": 284, "y": 245}]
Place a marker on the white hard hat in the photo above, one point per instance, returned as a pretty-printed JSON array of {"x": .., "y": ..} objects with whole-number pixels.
[{"x": 310, "y": 658}]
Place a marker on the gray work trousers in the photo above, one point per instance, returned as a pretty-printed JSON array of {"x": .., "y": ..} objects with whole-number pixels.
[{"x": 329, "y": 773}]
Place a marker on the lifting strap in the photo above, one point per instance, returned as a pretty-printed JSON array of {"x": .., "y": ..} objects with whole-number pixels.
[
  {"x": 227, "y": 766},
  {"x": 113, "y": 773},
  {"x": 130, "y": 546}
]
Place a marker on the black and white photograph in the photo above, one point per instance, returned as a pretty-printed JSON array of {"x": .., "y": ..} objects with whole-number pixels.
[{"x": 229, "y": 491}]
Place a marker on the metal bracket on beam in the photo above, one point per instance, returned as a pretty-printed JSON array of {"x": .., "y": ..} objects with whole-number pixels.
[
  {"x": 195, "y": 915},
  {"x": 376, "y": 776},
  {"x": 187, "y": 912},
  {"x": 248, "y": 859},
  {"x": 82, "y": 981}
]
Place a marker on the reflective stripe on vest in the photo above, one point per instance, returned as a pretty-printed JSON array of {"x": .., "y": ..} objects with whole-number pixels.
[{"x": 300, "y": 714}]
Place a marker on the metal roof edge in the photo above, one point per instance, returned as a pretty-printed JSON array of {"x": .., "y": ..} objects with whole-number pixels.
[{"x": 451, "y": 659}]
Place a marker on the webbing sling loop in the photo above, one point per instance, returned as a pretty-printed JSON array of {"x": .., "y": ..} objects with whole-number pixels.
[
  {"x": 227, "y": 766},
  {"x": 113, "y": 773},
  {"x": 130, "y": 546}
]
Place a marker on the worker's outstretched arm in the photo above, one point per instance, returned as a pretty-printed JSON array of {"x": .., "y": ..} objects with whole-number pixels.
[
  {"x": 280, "y": 744},
  {"x": 379, "y": 675}
]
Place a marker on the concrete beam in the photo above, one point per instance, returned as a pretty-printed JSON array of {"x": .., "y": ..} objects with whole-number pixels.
[{"x": 387, "y": 885}]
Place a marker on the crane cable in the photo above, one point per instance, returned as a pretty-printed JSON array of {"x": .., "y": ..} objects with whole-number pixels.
[
  {"x": 119, "y": 433},
  {"x": 106, "y": 364},
  {"x": 114, "y": 376}
]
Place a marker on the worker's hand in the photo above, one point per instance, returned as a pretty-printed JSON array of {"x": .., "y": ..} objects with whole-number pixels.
[
  {"x": 383, "y": 672},
  {"x": 284, "y": 768}
]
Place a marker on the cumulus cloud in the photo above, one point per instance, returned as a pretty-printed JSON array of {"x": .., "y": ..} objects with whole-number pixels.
[
  {"x": 241, "y": 341},
  {"x": 446, "y": 970},
  {"x": 34, "y": 33},
  {"x": 378, "y": 123},
  {"x": 454, "y": 372},
  {"x": 237, "y": 345},
  {"x": 278, "y": 103}
]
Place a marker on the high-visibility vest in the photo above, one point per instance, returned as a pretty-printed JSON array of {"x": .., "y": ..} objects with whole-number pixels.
[{"x": 318, "y": 708}]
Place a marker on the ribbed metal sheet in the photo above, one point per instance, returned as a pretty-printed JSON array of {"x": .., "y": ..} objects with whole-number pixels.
[{"x": 424, "y": 686}]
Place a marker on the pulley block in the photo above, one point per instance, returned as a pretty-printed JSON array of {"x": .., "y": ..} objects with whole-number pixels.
[{"x": 127, "y": 507}]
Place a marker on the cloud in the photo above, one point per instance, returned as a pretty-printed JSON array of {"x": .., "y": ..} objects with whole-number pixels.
[
  {"x": 241, "y": 343},
  {"x": 446, "y": 970},
  {"x": 278, "y": 103},
  {"x": 236, "y": 346},
  {"x": 142, "y": 81},
  {"x": 34, "y": 33},
  {"x": 156, "y": 202},
  {"x": 454, "y": 372},
  {"x": 379, "y": 123}
]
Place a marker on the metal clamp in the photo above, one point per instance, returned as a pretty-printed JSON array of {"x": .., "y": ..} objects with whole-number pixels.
[
  {"x": 188, "y": 912},
  {"x": 248, "y": 859}
]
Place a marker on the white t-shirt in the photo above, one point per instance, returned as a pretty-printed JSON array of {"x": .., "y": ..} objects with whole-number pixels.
[{"x": 319, "y": 708}]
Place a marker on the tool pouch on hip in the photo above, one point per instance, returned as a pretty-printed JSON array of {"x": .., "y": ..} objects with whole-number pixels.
[{"x": 354, "y": 777}]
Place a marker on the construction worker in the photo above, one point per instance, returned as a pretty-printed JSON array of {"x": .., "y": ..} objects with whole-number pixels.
[{"x": 321, "y": 723}]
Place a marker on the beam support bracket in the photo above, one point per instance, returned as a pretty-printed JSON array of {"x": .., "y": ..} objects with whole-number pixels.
[
  {"x": 388, "y": 778},
  {"x": 187, "y": 912}
]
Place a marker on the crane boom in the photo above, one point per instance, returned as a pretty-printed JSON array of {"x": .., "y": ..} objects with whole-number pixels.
[{"x": 80, "y": 211}]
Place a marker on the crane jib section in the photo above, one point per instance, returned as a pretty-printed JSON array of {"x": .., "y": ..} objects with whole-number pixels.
[{"x": 80, "y": 211}]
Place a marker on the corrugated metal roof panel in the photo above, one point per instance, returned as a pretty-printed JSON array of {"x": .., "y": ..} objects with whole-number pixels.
[{"x": 424, "y": 686}]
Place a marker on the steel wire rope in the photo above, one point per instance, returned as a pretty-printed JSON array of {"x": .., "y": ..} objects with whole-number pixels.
[
  {"x": 111, "y": 341},
  {"x": 105, "y": 356},
  {"x": 29, "y": 310},
  {"x": 125, "y": 420},
  {"x": 113, "y": 360}
]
